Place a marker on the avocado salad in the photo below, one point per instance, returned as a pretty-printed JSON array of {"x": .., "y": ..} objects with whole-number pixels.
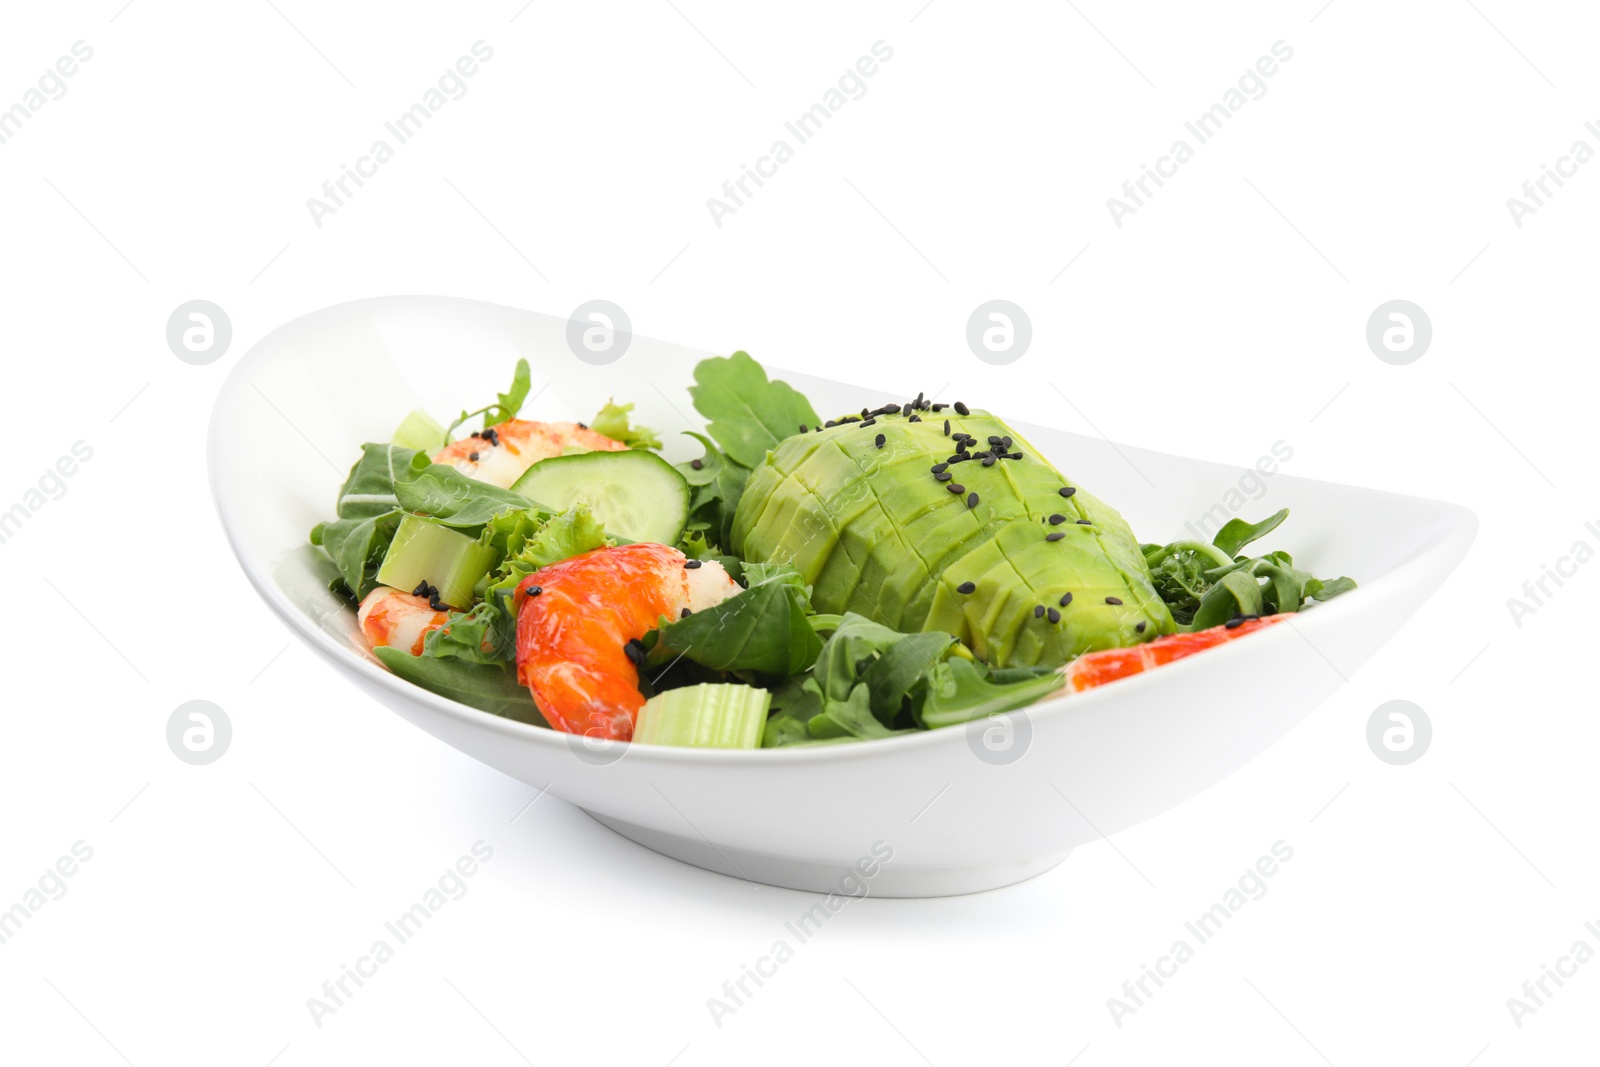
[{"x": 807, "y": 580}]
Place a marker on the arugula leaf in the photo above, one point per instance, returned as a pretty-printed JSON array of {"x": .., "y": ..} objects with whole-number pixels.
[
  {"x": 761, "y": 632},
  {"x": 960, "y": 691},
  {"x": 1236, "y": 533},
  {"x": 357, "y": 548},
  {"x": 1205, "y": 585},
  {"x": 491, "y": 689},
  {"x": 506, "y": 405},
  {"x": 471, "y": 636},
  {"x": 747, "y": 414},
  {"x": 612, "y": 421},
  {"x": 439, "y": 490},
  {"x": 368, "y": 514},
  {"x": 715, "y": 488}
]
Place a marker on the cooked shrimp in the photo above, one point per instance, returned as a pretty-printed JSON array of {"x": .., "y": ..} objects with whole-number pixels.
[
  {"x": 575, "y": 617},
  {"x": 390, "y": 617},
  {"x": 501, "y": 453},
  {"x": 1098, "y": 668}
]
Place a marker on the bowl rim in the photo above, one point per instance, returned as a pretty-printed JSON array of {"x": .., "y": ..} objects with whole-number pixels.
[{"x": 1058, "y": 703}]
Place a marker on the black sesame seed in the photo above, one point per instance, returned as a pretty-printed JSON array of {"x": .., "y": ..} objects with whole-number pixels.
[
  {"x": 988, "y": 461},
  {"x": 972, "y": 500},
  {"x": 865, "y": 413},
  {"x": 1057, "y": 520},
  {"x": 685, "y": 613},
  {"x": 493, "y": 436},
  {"x": 957, "y": 458},
  {"x": 869, "y": 422},
  {"x": 697, "y": 464},
  {"x": 473, "y": 456},
  {"x": 1235, "y": 622},
  {"x": 691, "y": 564},
  {"x": 1006, "y": 440},
  {"x": 1066, "y": 598},
  {"x": 803, "y": 428},
  {"x": 1084, "y": 522},
  {"x": 965, "y": 587},
  {"x": 830, "y": 424},
  {"x": 943, "y": 476},
  {"x": 918, "y": 402},
  {"x": 1015, "y": 455},
  {"x": 906, "y": 410},
  {"x": 634, "y": 653},
  {"x": 939, "y": 468},
  {"x": 961, "y": 409},
  {"x": 1114, "y": 600},
  {"x": 994, "y": 439},
  {"x": 534, "y": 590},
  {"x": 1066, "y": 490},
  {"x": 957, "y": 487},
  {"x": 915, "y": 418},
  {"x": 878, "y": 440},
  {"x": 940, "y": 407},
  {"x": 947, "y": 427},
  {"x": 421, "y": 589},
  {"x": 1058, "y": 535},
  {"x": 1139, "y": 629},
  {"x": 1054, "y": 615},
  {"x": 1038, "y": 611}
]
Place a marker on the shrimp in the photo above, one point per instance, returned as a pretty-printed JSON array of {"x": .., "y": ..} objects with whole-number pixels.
[
  {"x": 500, "y": 454},
  {"x": 577, "y": 619},
  {"x": 1097, "y": 668},
  {"x": 400, "y": 620}
]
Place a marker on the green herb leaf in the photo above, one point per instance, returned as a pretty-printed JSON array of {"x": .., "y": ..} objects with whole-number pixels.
[
  {"x": 506, "y": 406},
  {"x": 612, "y": 421},
  {"x": 747, "y": 414},
  {"x": 1236, "y": 533},
  {"x": 761, "y": 632},
  {"x": 489, "y": 688}
]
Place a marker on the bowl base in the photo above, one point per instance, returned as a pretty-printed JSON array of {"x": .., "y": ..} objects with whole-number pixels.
[{"x": 823, "y": 876}]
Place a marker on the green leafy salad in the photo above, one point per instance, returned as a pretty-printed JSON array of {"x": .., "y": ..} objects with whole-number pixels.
[{"x": 807, "y": 580}]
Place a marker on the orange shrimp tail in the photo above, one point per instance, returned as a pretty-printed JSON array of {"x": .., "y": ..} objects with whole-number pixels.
[
  {"x": 1097, "y": 668},
  {"x": 570, "y": 636}
]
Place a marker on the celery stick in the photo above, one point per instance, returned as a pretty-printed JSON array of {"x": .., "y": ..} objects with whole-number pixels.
[
  {"x": 419, "y": 430},
  {"x": 704, "y": 716},
  {"x": 448, "y": 560}
]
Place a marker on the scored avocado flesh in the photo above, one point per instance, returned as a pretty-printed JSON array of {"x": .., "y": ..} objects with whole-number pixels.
[{"x": 875, "y": 532}]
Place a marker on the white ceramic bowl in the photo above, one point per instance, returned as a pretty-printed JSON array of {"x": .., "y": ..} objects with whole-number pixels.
[{"x": 958, "y": 810}]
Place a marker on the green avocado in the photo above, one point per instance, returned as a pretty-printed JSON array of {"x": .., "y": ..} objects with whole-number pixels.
[{"x": 875, "y": 531}]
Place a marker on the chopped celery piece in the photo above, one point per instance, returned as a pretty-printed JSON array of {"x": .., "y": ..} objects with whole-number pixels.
[
  {"x": 448, "y": 560},
  {"x": 704, "y": 716},
  {"x": 420, "y": 431}
]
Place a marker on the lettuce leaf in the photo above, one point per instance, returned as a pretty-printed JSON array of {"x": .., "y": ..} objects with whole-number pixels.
[{"x": 612, "y": 421}]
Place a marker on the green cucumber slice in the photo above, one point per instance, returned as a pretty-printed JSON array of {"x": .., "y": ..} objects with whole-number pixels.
[
  {"x": 704, "y": 716},
  {"x": 637, "y": 494}
]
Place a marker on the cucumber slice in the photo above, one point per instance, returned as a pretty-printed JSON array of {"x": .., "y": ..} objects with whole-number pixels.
[
  {"x": 637, "y": 494},
  {"x": 704, "y": 716}
]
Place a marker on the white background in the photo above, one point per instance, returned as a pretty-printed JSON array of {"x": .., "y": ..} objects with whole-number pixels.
[{"x": 1227, "y": 314}]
